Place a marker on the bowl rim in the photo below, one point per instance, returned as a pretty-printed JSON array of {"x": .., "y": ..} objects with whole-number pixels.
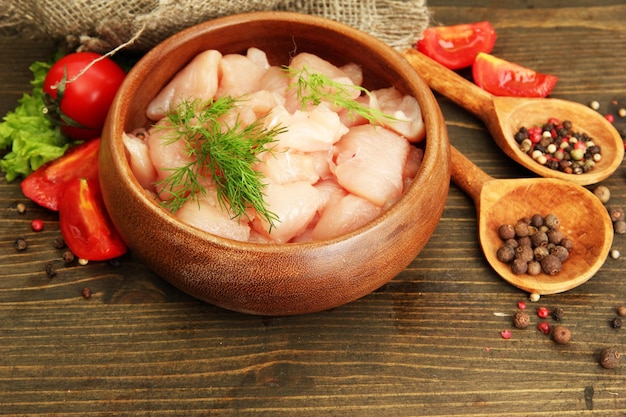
[{"x": 385, "y": 52}]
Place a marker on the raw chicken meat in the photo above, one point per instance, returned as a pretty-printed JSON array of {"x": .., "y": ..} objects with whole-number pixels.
[
  {"x": 294, "y": 203},
  {"x": 328, "y": 173},
  {"x": 308, "y": 131},
  {"x": 286, "y": 166},
  {"x": 207, "y": 215},
  {"x": 239, "y": 75},
  {"x": 405, "y": 110},
  {"x": 370, "y": 161},
  {"x": 138, "y": 156},
  {"x": 343, "y": 215},
  {"x": 198, "y": 80}
]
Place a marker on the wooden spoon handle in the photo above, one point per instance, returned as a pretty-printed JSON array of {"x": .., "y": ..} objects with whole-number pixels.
[
  {"x": 467, "y": 175},
  {"x": 450, "y": 84}
]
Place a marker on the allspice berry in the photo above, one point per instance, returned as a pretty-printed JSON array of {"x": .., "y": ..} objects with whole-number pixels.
[
  {"x": 551, "y": 221},
  {"x": 551, "y": 265},
  {"x": 521, "y": 320},
  {"x": 616, "y": 213},
  {"x": 621, "y": 311},
  {"x": 603, "y": 193},
  {"x": 506, "y": 232},
  {"x": 534, "y": 268},
  {"x": 561, "y": 335},
  {"x": 609, "y": 358},
  {"x": 506, "y": 253}
]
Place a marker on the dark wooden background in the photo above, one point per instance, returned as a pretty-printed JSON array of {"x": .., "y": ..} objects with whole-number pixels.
[{"x": 426, "y": 344}]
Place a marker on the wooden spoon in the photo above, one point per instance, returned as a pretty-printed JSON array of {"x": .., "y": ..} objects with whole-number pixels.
[
  {"x": 583, "y": 218},
  {"x": 503, "y": 116}
]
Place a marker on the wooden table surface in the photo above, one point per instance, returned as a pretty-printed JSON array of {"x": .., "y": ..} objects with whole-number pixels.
[{"x": 426, "y": 344}]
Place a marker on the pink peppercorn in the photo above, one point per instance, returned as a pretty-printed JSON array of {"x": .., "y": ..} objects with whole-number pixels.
[
  {"x": 506, "y": 334},
  {"x": 543, "y": 312},
  {"x": 610, "y": 118},
  {"x": 521, "y": 305},
  {"x": 544, "y": 327},
  {"x": 36, "y": 225}
]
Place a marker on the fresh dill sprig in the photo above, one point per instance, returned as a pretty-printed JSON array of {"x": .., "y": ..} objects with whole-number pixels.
[
  {"x": 313, "y": 88},
  {"x": 225, "y": 153}
]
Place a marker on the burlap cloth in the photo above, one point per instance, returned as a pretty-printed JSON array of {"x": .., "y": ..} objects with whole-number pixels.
[{"x": 102, "y": 25}]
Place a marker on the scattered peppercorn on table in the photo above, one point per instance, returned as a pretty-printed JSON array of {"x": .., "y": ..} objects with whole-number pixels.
[{"x": 440, "y": 339}]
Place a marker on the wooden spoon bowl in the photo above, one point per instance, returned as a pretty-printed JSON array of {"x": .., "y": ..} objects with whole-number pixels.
[
  {"x": 583, "y": 218},
  {"x": 503, "y": 116}
]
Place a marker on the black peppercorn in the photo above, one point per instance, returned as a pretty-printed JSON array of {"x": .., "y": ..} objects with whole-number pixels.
[
  {"x": 20, "y": 244},
  {"x": 609, "y": 358},
  {"x": 557, "y": 314},
  {"x": 86, "y": 292},
  {"x": 50, "y": 270},
  {"x": 616, "y": 323},
  {"x": 59, "y": 243},
  {"x": 68, "y": 257}
]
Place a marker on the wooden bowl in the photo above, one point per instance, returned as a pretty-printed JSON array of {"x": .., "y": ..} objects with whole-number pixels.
[{"x": 273, "y": 279}]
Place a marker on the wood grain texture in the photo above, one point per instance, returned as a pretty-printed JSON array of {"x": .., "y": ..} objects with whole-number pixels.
[{"x": 426, "y": 344}]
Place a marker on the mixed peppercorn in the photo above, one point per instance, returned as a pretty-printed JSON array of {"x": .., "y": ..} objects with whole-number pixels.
[
  {"x": 608, "y": 357},
  {"x": 557, "y": 146}
]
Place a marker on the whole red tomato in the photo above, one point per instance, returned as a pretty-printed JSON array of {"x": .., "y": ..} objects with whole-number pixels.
[
  {"x": 80, "y": 104},
  {"x": 456, "y": 46}
]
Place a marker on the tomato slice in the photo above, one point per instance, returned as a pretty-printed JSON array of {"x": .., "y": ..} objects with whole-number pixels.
[
  {"x": 456, "y": 46},
  {"x": 85, "y": 224},
  {"x": 46, "y": 185},
  {"x": 504, "y": 78}
]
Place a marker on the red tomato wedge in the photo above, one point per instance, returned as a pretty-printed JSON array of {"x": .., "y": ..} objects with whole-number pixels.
[
  {"x": 456, "y": 46},
  {"x": 46, "y": 185},
  {"x": 504, "y": 78},
  {"x": 85, "y": 224}
]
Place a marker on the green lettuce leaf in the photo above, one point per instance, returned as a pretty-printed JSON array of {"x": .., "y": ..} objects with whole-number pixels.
[{"x": 32, "y": 138}]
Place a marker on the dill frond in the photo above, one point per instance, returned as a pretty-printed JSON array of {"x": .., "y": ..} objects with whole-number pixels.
[
  {"x": 225, "y": 153},
  {"x": 314, "y": 88}
]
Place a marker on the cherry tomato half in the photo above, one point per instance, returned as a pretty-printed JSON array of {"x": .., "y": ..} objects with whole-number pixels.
[
  {"x": 46, "y": 185},
  {"x": 85, "y": 223},
  {"x": 456, "y": 46},
  {"x": 80, "y": 105},
  {"x": 504, "y": 78}
]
